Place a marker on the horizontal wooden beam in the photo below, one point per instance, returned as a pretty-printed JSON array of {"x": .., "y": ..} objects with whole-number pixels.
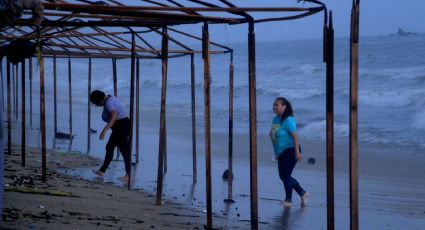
[{"x": 135, "y": 12}]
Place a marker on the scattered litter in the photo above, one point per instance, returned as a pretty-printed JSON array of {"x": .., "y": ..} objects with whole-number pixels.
[{"x": 61, "y": 135}]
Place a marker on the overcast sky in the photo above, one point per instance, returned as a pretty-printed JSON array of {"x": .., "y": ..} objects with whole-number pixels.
[{"x": 377, "y": 17}]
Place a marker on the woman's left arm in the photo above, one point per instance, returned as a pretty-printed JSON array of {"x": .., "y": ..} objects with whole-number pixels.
[
  {"x": 298, "y": 154},
  {"x": 109, "y": 125}
]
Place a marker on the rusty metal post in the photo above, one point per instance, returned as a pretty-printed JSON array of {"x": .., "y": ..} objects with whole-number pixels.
[
  {"x": 114, "y": 76},
  {"x": 330, "y": 124},
  {"x": 354, "y": 65},
  {"x": 9, "y": 109},
  {"x": 89, "y": 108},
  {"x": 55, "y": 105},
  {"x": 16, "y": 91},
  {"x": 13, "y": 90},
  {"x": 114, "y": 79},
  {"x": 253, "y": 126},
  {"x": 30, "y": 78},
  {"x": 164, "y": 57},
  {"x": 2, "y": 85},
  {"x": 42, "y": 117},
  {"x": 133, "y": 72},
  {"x": 230, "y": 166},
  {"x": 207, "y": 122},
  {"x": 70, "y": 97},
  {"x": 193, "y": 101},
  {"x": 23, "y": 144},
  {"x": 165, "y": 145},
  {"x": 137, "y": 110}
]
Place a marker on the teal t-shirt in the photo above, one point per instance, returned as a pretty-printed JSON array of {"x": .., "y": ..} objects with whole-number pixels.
[{"x": 280, "y": 134}]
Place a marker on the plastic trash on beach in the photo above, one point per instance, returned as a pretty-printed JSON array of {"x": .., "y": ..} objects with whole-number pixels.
[{"x": 60, "y": 135}]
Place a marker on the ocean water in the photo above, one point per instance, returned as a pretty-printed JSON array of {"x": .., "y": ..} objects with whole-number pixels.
[{"x": 391, "y": 87}]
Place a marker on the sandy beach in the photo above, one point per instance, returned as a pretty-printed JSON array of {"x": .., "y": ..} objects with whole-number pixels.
[{"x": 65, "y": 202}]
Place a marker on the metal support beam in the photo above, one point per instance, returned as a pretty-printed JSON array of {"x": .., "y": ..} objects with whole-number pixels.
[
  {"x": 353, "y": 129},
  {"x": 137, "y": 110},
  {"x": 207, "y": 121},
  {"x": 42, "y": 117},
  {"x": 23, "y": 128},
  {"x": 330, "y": 124},
  {"x": 193, "y": 101},
  {"x": 162, "y": 117},
  {"x": 70, "y": 97},
  {"x": 230, "y": 161},
  {"x": 252, "y": 126},
  {"x": 89, "y": 107},
  {"x": 132, "y": 78},
  {"x": 55, "y": 104},
  {"x": 9, "y": 109}
]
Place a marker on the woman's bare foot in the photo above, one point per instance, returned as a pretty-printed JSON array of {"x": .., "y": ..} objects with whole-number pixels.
[
  {"x": 304, "y": 198},
  {"x": 124, "y": 178},
  {"x": 98, "y": 172},
  {"x": 287, "y": 204}
]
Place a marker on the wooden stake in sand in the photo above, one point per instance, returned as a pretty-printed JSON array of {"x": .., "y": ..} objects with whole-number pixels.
[
  {"x": 207, "y": 122},
  {"x": 164, "y": 56},
  {"x": 192, "y": 92},
  {"x": 23, "y": 128},
  {"x": 330, "y": 123},
  {"x": 354, "y": 78},
  {"x": 89, "y": 107},
  {"x": 252, "y": 125}
]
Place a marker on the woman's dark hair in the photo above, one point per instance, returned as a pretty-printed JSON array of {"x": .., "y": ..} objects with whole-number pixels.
[
  {"x": 96, "y": 97},
  {"x": 288, "y": 111}
]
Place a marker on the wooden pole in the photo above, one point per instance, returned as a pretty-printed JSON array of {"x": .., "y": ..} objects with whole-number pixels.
[
  {"x": 30, "y": 78},
  {"x": 114, "y": 73},
  {"x": 330, "y": 124},
  {"x": 55, "y": 105},
  {"x": 16, "y": 91},
  {"x": 137, "y": 110},
  {"x": 253, "y": 126},
  {"x": 2, "y": 85},
  {"x": 9, "y": 110},
  {"x": 193, "y": 102},
  {"x": 70, "y": 97},
  {"x": 164, "y": 56},
  {"x": 23, "y": 148},
  {"x": 132, "y": 77},
  {"x": 354, "y": 61},
  {"x": 207, "y": 122},
  {"x": 230, "y": 166},
  {"x": 89, "y": 108},
  {"x": 42, "y": 116},
  {"x": 114, "y": 79}
]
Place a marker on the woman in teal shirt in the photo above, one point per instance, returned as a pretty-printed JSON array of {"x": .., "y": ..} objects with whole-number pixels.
[{"x": 283, "y": 134}]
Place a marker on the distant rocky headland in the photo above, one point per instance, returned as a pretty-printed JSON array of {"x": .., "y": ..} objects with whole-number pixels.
[{"x": 402, "y": 32}]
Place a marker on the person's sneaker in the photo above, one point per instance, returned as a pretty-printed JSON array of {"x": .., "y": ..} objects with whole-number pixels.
[
  {"x": 98, "y": 172},
  {"x": 287, "y": 204},
  {"x": 304, "y": 198}
]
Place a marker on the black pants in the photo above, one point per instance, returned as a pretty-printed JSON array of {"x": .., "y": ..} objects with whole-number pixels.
[
  {"x": 286, "y": 164},
  {"x": 120, "y": 137}
]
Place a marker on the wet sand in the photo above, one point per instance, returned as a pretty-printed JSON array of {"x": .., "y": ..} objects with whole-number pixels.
[
  {"x": 65, "y": 202},
  {"x": 390, "y": 190}
]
